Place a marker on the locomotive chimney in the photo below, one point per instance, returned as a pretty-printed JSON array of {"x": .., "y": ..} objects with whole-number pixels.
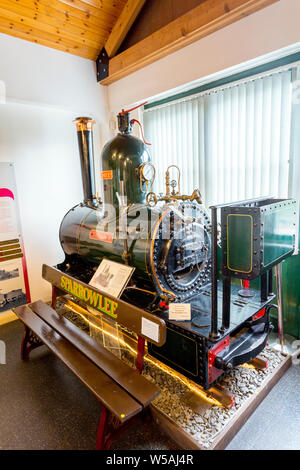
[{"x": 84, "y": 127}]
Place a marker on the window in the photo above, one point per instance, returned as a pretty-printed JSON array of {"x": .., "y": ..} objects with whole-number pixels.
[{"x": 232, "y": 143}]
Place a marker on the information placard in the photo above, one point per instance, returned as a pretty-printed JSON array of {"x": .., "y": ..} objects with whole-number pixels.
[
  {"x": 111, "y": 277},
  {"x": 150, "y": 329},
  {"x": 179, "y": 312}
]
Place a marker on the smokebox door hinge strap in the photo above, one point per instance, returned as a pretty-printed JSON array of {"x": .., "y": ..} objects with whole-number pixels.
[{"x": 102, "y": 64}]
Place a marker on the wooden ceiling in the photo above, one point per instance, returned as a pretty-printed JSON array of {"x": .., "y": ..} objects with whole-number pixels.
[
  {"x": 80, "y": 27},
  {"x": 85, "y": 27}
]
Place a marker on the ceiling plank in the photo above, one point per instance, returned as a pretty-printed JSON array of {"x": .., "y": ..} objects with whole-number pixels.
[
  {"x": 106, "y": 8},
  {"x": 208, "y": 17},
  {"x": 48, "y": 10},
  {"x": 46, "y": 39},
  {"x": 122, "y": 26},
  {"x": 62, "y": 30},
  {"x": 99, "y": 19},
  {"x": 119, "y": 4}
]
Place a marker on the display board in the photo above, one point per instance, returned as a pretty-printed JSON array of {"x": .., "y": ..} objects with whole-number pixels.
[{"x": 14, "y": 285}]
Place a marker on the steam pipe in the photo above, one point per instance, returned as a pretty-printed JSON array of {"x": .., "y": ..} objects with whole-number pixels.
[{"x": 84, "y": 127}]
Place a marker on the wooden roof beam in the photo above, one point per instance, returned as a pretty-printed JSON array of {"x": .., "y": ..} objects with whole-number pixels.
[
  {"x": 208, "y": 17},
  {"x": 122, "y": 26}
]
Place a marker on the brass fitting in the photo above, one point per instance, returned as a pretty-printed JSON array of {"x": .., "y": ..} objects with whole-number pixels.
[{"x": 84, "y": 123}]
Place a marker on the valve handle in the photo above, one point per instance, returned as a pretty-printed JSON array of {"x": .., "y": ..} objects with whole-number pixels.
[
  {"x": 124, "y": 111},
  {"x": 151, "y": 199}
]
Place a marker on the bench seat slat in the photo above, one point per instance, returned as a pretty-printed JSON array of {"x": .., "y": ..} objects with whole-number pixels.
[
  {"x": 135, "y": 384},
  {"x": 113, "y": 397}
]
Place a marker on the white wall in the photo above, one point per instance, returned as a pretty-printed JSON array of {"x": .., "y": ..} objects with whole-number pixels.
[
  {"x": 46, "y": 90},
  {"x": 273, "y": 28},
  {"x": 38, "y": 74}
]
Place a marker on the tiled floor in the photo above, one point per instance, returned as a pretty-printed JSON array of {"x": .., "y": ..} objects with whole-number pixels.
[{"x": 43, "y": 406}]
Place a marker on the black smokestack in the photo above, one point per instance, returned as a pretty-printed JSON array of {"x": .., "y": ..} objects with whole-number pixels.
[{"x": 84, "y": 127}]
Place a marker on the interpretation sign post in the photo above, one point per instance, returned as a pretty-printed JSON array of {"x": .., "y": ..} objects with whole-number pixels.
[{"x": 14, "y": 284}]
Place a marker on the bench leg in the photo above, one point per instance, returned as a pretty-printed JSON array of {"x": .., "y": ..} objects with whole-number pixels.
[
  {"x": 54, "y": 297},
  {"x": 30, "y": 342},
  {"x": 102, "y": 429},
  {"x": 105, "y": 439},
  {"x": 140, "y": 354}
]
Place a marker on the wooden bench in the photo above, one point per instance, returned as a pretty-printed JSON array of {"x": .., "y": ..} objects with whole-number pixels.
[{"x": 122, "y": 391}]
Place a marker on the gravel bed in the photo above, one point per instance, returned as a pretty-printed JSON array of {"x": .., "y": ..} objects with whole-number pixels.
[
  {"x": 72, "y": 316},
  {"x": 204, "y": 426}
]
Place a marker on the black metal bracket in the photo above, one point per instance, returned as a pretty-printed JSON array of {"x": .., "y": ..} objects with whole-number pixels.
[
  {"x": 214, "y": 335},
  {"x": 245, "y": 348},
  {"x": 264, "y": 289},
  {"x": 270, "y": 284},
  {"x": 102, "y": 64},
  {"x": 226, "y": 303}
]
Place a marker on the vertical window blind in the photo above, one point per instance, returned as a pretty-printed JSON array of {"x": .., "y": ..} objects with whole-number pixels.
[{"x": 232, "y": 143}]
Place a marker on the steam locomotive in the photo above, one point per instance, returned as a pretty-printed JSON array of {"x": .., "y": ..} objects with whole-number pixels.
[{"x": 179, "y": 254}]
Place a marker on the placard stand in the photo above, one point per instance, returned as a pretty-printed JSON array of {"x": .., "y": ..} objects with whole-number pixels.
[{"x": 14, "y": 282}]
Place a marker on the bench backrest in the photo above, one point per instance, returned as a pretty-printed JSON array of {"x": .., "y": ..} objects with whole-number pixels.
[{"x": 149, "y": 326}]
